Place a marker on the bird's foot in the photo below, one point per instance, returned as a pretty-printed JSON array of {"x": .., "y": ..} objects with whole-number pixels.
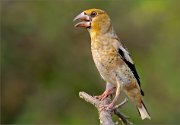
[
  {"x": 105, "y": 94},
  {"x": 112, "y": 105},
  {"x": 107, "y": 107}
]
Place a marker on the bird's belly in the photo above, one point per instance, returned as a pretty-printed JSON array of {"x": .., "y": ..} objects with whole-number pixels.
[
  {"x": 107, "y": 74},
  {"x": 111, "y": 67},
  {"x": 106, "y": 67}
]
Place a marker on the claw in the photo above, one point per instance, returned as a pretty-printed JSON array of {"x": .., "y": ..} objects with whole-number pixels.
[
  {"x": 107, "y": 107},
  {"x": 105, "y": 94},
  {"x": 102, "y": 108},
  {"x": 110, "y": 106}
]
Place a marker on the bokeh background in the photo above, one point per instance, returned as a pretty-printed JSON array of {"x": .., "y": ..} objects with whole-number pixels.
[{"x": 45, "y": 61}]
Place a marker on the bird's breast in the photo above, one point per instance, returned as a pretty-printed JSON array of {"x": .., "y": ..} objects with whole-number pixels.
[
  {"x": 106, "y": 60},
  {"x": 105, "y": 55}
]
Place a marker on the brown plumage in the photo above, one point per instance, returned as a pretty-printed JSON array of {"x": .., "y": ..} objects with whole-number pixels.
[{"x": 112, "y": 59}]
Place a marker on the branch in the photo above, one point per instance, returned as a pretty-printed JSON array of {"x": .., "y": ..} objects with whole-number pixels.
[{"x": 105, "y": 116}]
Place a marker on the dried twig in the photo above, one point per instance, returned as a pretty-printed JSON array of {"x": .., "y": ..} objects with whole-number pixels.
[{"x": 105, "y": 116}]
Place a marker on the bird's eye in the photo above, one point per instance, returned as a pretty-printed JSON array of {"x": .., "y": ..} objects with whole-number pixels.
[{"x": 93, "y": 14}]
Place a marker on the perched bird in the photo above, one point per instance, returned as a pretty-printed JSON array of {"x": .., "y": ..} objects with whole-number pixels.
[{"x": 112, "y": 59}]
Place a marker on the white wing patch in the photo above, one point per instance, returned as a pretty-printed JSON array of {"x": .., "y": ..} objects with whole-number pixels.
[
  {"x": 126, "y": 54},
  {"x": 117, "y": 46}
]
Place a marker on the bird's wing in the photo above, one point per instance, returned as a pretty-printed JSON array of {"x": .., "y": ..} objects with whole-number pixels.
[
  {"x": 125, "y": 54},
  {"x": 127, "y": 59}
]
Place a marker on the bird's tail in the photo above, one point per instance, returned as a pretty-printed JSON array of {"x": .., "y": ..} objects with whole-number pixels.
[{"x": 143, "y": 111}]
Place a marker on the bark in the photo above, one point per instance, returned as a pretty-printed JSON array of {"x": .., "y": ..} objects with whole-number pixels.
[{"x": 105, "y": 116}]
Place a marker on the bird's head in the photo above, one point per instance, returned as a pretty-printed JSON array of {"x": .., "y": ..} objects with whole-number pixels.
[{"x": 95, "y": 20}]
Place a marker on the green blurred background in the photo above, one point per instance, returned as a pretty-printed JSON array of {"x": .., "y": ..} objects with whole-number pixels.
[{"x": 45, "y": 61}]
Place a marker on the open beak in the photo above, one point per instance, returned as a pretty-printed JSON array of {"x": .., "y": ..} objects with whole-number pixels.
[{"x": 85, "y": 20}]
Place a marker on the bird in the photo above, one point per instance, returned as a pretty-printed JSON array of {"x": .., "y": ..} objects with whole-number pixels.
[{"x": 112, "y": 59}]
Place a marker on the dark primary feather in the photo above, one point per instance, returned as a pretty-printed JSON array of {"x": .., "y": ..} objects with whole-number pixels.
[{"x": 132, "y": 67}]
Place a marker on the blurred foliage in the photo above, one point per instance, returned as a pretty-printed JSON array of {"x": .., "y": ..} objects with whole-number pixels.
[{"x": 45, "y": 61}]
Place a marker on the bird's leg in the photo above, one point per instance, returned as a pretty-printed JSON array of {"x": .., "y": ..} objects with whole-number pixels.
[
  {"x": 106, "y": 93},
  {"x": 118, "y": 90}
]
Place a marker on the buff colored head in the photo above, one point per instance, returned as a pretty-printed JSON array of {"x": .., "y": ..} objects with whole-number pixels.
[{"x": 95, "y": 20}]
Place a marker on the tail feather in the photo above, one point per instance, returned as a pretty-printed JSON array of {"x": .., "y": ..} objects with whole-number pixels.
[{"x": 143, "y": 111}]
